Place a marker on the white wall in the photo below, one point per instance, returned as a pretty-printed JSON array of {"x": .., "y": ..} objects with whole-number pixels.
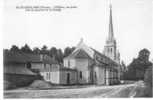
[
  {"x": 55, "y": 77},
  {"x": 107, "y": 76},
  {"x": 69, "y": 63},
  {"x": 37, "y": 65},
  {"x": 101, "y": 75},
  {"x": 83, "y": 66}
]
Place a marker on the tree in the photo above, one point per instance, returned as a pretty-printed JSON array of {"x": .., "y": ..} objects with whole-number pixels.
[
  {"x": 123, "y": 66},
  {"x": 53, "y": 52},
  {"x": 14, "y": 48},
  {"x": 137, "y": 67},
  {"x": 144, "y": 54},
  {"x": 123, "y": 69},
  {"x": 26, "y": 49},
  {"x": 72, "y": 49},
  {"x": 68, "y": 51},
  {"x": 36, "y": 50},
  {"x": 44, "y": 50},
  {"x": 59, "y": 56}
]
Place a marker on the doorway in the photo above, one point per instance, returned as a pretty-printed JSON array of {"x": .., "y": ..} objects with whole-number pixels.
[{"x": 68, "y": 78}]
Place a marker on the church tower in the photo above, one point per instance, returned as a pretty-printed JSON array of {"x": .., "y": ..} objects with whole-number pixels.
[{"x": 110, "y": 49}]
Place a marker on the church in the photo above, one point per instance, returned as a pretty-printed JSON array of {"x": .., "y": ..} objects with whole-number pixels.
[
  {"x": 92, "y": 66},
  {"x": 86, "y": 65}
]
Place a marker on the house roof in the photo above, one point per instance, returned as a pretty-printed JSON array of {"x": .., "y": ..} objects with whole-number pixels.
[
  {"x": 14, "y": 57},
  {"x": 18, "y": 70},
  {"x": 40, "y": 58},
  {"x": 78, "y": 54}
]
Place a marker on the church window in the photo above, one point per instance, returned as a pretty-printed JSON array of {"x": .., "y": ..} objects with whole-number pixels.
[
  {"x": 108, "y": 50},
  {"x": 95, "y": 75},
  {"x": 111, "y": 50},
  {"x": 47, "y": 76},
  {"x": 68, "y": 63},
  {"x": 45, "y": 66},
  {"x": 80, "y": 74}
]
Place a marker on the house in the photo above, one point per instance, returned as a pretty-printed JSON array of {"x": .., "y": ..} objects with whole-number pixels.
[
  {"x": 16, "y": 70},
  {"x": 28, "y": 67},
  {"x": 45, "y": 66},
  {"x": 51, "y": 71}
]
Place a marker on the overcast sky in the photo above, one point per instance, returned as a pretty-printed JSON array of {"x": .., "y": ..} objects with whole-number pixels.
[{"x": 132, "y": 22}]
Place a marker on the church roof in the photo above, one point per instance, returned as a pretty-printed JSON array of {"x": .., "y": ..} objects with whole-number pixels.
[{"x": 83, "y": 51}]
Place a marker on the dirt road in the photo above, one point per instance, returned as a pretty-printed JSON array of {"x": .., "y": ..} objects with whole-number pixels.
[{"x": 86, "y": 92}]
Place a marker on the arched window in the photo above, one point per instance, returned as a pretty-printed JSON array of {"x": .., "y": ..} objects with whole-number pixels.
[
  {"x": 80, "y": 74},
  {"x": 68, "y": 63},
  {"x": 95, "y": 75},
  {"x": 49, "y": 75},
  {"x": 111, "y": 50},
  {"x": 45, "y": 66}
]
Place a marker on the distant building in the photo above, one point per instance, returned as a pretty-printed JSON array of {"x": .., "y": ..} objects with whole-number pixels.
[
  {"x": 17, "y": 66},
  {"x": 46, "y": 66},
  {"x": 16, "y": 71},
  {"x": 55, "y": 73}
]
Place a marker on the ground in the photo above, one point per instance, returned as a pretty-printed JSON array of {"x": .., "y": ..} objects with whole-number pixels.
[{"x": 124, "y": 90}]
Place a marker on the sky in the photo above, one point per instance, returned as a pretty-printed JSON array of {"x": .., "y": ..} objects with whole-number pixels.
[{"x": 132, "y": 23}]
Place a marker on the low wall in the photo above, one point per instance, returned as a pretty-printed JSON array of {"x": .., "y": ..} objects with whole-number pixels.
[{"x": 18, "y": 80}]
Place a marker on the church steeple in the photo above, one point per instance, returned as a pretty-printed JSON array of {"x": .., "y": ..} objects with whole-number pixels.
[
  {"x": 111, "y": 33},
  {"x": 110, "y": 49}
]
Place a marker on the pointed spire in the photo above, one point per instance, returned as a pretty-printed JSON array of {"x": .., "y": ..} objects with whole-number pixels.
[{"x": 111, "y": 33}]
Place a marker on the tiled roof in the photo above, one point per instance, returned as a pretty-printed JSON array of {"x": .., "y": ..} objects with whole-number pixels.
[
  {"x": 83, "y": 50},
  {"x": 38, "y": 58},
  {"x": 18, "y": 70},
  {"x": 105, "y": 59},
  {"x": 11, "y": 57}
]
